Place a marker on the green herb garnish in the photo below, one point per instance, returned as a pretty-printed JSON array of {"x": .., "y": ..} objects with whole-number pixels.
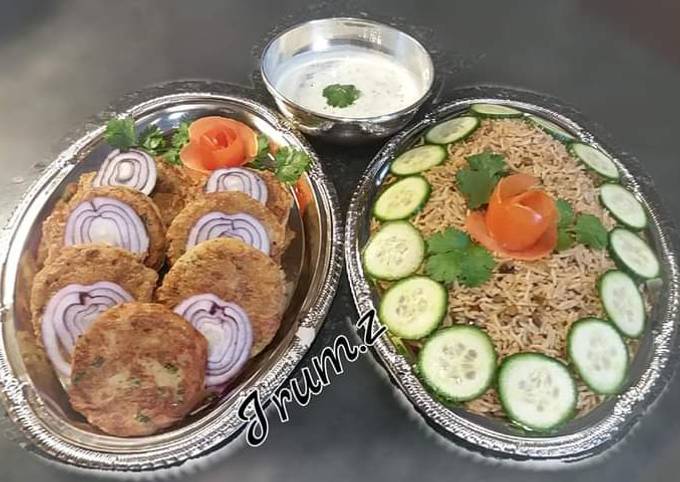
[
  {"x": 288, "y": 164},
  {"x": 455, "y": 257},
  {"x": 341, "y": 95},
  {"x": 583, "y": 228},
  {"x": 120, "y": 133},
  {"x": 141, "y": 418},
  {"x": 478, "y": 180},
  {"x": 179, "y": 139},
  {"x": 589, "y": 230},
  {"x": 152, "y": 140}
]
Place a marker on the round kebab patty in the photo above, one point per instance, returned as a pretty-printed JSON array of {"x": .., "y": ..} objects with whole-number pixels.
[
  {"x": 139, "y": 368},
  {"x": 234, "y": 272}
]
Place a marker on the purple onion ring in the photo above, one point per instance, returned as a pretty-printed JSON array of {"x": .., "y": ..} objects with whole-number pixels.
[
  {"x": 228, "y": 331},
  {"x": 221, "y": 225},
  {"x": 133, "y": 168},
  {"x": 104, "y": 220},
  {"x": 238, "y": 179},
  {"x": 70, "y": 312}
]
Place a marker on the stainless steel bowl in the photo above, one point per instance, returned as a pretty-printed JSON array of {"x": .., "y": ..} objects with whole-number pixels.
[
  {"x": 336, "y": 33},
  {"x": 32, "y": 395},
  {"x": 657, "y": 356}
]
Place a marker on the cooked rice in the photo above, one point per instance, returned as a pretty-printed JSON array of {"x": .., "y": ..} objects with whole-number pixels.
[{"x": 526, "y": 306}]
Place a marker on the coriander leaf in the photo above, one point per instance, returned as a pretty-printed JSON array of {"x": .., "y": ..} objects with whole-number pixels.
[
  {"x": 179, "y": 139},
  {"x": 476, "y": 186},
  {"x": 181, "y": 135},
  {"x": 152, "y": 140},
  {"x": 589, "y": 230},
  {"x": 443, "y": 267},
  {"x": 290, "y": 164},
  {"x": 565, "y": 212},
  {"x": 493, "y": 164},
  {"x": 341, "y": 95},
  {"x": 120, "y": 133},
  {"x": 262, "y": 145},
  {"x": 447, "y": 240},
  {"x": 565, "y": 240},
  {"x": 476, "y": 265}
]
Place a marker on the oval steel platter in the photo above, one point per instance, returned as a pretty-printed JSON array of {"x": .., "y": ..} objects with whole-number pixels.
[
  {"x": 657, "y": 356},
  {"x": 33, "y": 397}
]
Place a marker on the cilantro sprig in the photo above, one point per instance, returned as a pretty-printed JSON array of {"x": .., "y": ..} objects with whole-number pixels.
[
  {"x": 178, "y": 140},
  {"x": 453, "y": 256},
  {"x": 287, "y": 164},
  {"x": 120, "y": 133},
  {"x": 478, "y": 180},
  {"x": 341, "y": 95},
  {"x": 582, "y": 228}
]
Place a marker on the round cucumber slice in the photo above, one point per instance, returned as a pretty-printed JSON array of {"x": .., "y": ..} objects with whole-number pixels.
[
  {"x": 395, "y": 251},
  {"x": 402, "y": 199},
  {"x": 458, "y": 362},
  {"x": 623, "y": 205},
  {"x": 599, "y": 355},
  {"x": 453, "y": 130},
  {"x": 623, "y": 302},
  {"x": 551, "y": 128},
  {"x": 633, "y": 254},
  {"x": 413, "y": 308},
  {"x": 595, "y": 159},
  {"x": 495, "y": 110},
  {"x": 536, "y": 391},
  {"x": 418, "y": 159}
]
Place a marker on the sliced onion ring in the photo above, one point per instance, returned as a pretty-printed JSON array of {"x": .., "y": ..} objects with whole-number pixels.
[
  {"x": 104, "y": 220},
  {"x": 70, "y": 312},
  {"x": 221, "y": 225},
  {"x": 133, "y": 168},
  {"x": 238, "y": 179},
  {"x": 229, "y": 333}
]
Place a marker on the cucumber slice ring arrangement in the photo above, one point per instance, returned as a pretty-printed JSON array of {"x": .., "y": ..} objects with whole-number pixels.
[
  {"x": 458, "y": 363},
  {"x": 495, "y": 110},
  {"x": 536, "y": 391},
  {"x": 623, "y": 205},
  {"x": 595, "y": 160},
  {"x": 402, "y": 199},
  {"x": 452, "y": 130},
  {"x": 413, "y": 307},
  {"x": 395, "y": 251},
  {"x": 551, "y": 128},
  {"x": 622, "y": 302},
  {"x": 418, "y": 159},
  {"x": 599, "y": 354}
]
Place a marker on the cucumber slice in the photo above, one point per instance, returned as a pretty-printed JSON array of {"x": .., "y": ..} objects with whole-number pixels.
[
  {"x": 395, "y": 251},
  {"x": 495, "y": 110},
  {"x": 458, "y": 362},
  {"x": 402, "y": 199},
  {"x": 599, "y": 355},
  {"x": 623, "y": 205},
  {"x": 633, "y": 254},
  {"x": 413, "y": 307},
  {"x": 452, "y": 130},
  {"x": 418, "y": 159},
  {"x": 622, "y": 300},
  {"x": 595, "y": 159},
  {"x": 536, "y": 391},
  {"x": 551, "y": 128}
]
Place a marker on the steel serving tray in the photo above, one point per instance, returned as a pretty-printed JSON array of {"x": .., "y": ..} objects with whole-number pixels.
[
  {"x": 32, "y": 395},
  {"x": 657, "y": 356}
]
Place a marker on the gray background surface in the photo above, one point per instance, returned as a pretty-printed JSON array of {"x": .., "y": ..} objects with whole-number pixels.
[{"x": 619, "y": 62}]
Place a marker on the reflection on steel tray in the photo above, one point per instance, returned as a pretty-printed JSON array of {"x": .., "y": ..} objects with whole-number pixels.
[
  {"x": 653, "y": 363},
  {"x": 32, "y": 394}
]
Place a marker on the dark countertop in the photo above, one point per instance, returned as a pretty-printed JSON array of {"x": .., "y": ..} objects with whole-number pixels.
[{"x": 62, "y": 62}]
